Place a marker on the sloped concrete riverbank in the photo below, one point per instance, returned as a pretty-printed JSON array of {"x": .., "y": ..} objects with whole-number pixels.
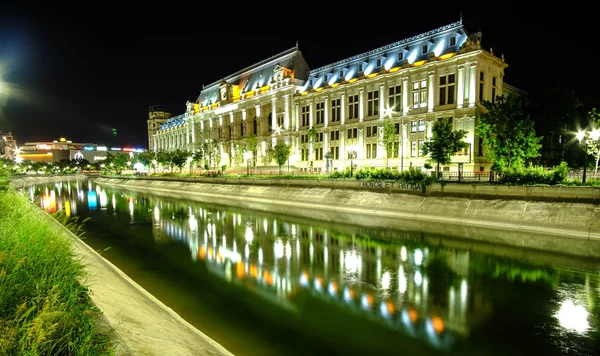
[{"x": 567, "y": 228}]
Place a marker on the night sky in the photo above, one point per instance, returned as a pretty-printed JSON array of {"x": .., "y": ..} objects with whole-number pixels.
[{"x": 79, "y": 72}]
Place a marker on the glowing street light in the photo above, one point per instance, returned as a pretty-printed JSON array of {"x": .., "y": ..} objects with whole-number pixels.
[
  {"x": 352, "y": 154},
  {"x": 594, "y": 135}
]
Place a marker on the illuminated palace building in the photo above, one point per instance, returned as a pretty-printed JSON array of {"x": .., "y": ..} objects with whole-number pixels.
[{"x": 443, "y": 73}]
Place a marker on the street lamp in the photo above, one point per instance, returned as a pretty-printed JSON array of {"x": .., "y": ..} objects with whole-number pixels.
[
  {"x": 389, "y": 112},
  {"x": 154, "y": 162},
  {"x": 248, "y": 157},
  {"x": 594, "y": 135},
  {"x": 189, "y": 161},
  {"x": 352, "y": 154}
]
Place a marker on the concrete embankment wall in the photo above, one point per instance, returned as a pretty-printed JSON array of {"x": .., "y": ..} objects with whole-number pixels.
[{"x": 564, "y": 227}]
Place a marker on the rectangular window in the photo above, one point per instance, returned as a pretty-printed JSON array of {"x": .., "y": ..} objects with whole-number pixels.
[
  {"x": 400, "y": 56},
  {"x": 452, "y": 41},
  {"x": 420, "y": 144},
  {"x": 424, "y": 49},
  {"x": 395, "y": 148},
  {"x": 421, "y": 125},
  {"x": 413, "y": 148},
  {"x": 320, "y": 113},
  {"x": 372, "y": 131},
  {"x": 378, "y": 63},
  {"x": 335, "y": 150},
  {"x": 373, "y": 103},
  {"x": 413, "y": 126},
  {"x": 447, "y": 89},
  {"x": 334, "y": 135},
  {"x": 397, "y": 127},
  {"x": 335, "y": 110},
  {"x": 420, "y": 94},
  {"x": 481, "y": 76},
  {"x": 353, "y": 107},
  {"x": 493, "y": 90},
  {"x": 341, "y": 74},
  {"x": 352, "y": 133},
  {"x": 371, "y": 150},
  {"x": 242, "y": 128},
  {"x": 395, "y": 98},
  {"x": 305, "y": 115}
]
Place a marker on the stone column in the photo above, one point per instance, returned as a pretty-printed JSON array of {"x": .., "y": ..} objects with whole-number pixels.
[
  {"x": 311, "y": 113},
  {"x": 361, "y": 104},
  {"x": 274, "y": 113},
  {"x": 257, "y": 108},
  {"x": 431, "y": 91},
  {"x": 343, "y": 108},
  {"x": 382, "y": 100},
  {"x": 326, "y": 112},
  {"x": 472, "y": 84},
  {"x": 405, "y": 95},
  {"x": 460, "y": 87},
  {"x": 286, "y": 119},
  {"x": 296, "y": 118}
]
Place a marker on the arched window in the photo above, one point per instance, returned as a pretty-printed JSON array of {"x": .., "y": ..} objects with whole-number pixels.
[{"x": 270, "y": 122}]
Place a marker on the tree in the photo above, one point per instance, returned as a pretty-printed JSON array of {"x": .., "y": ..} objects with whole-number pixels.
[
  {"x": 163, "y": 157},
  {"x": 444, "y": 143},
  {"x": 251, "y": 146},
  {"x": 281, "y": 153},
  {"x": 313, "y": 135},
  {"x": 146, "y": 157},
  {"x": 388, "y": 138},
  {"x": 119, "y": 162},
  {"x": 593, "y": 143},
  {"x": 179, "y": 158},
  {"x": 509, "y": 136},
  {"x": 197, "y": 156},
  {"x": 238, "y": 155}
]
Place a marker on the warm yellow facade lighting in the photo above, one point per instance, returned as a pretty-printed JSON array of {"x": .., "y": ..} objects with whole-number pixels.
[
  {"x": 395, "y": 69},
  {"x": 372, "y": 75},
  {"x": 447, "y": 55},
  {"x": 419, "y": 63}
]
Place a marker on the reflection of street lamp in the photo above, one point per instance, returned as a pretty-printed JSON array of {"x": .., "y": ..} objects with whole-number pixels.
[
  {"x": 389, "y": 112},
  {"x": 248, "y": 157},
  {"x": 352, "y": 153},
  {"x": 583, "y": 143}
]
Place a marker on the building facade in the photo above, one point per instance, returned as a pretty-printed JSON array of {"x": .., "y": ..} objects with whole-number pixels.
[
  {"x": 443, "y": 73},
  {"x": 8, "y": 146}
]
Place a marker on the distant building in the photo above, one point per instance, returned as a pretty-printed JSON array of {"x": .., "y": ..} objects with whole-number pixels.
[
  {"x": 58, "y": 150},
  {"x": 157, "y": 115},
  {"x": 8, "y": 145},
  {"x": 442, "y": 73}
]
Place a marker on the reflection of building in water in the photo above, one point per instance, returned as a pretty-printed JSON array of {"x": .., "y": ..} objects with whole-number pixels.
[{"x": 394, "y": 283}]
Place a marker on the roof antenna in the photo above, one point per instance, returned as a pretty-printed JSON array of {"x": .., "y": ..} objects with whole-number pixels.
[{"x": 461, "y": 17}]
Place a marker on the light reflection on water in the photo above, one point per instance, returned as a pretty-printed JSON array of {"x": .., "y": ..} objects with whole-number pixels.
[{"x": 437, "y": 295}]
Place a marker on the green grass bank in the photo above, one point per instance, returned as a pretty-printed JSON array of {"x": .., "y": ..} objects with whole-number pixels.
[{"x": 45, "y": 308}]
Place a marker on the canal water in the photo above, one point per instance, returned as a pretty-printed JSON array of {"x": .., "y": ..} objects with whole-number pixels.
[{"x": 270, "y": 284}]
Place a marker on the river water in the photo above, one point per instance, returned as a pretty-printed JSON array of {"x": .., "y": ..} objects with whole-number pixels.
[{"x": 267, "y": 283}]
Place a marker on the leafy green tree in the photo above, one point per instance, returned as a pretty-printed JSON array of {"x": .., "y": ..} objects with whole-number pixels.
[
  {"x": 119, "y": 163},
  {"x": 509, "y": 135},
  {"x": 444, "y": 143},
  {"x": 593, "y": 142},
  {"x": 313, "y": 136},
  {"x": 238, "y": 155},
  {"x": 197, "y": 156},
  {"x": 179, "y": 158},
  {"x": 146, "y": 157},
  {"x": 388, "y": 138},
  {"x": 212, "y": 152},
  {"x": 251, "y": 146},
  {"x": 281, "y": 153},
  {"x": 163, "y": 157}
]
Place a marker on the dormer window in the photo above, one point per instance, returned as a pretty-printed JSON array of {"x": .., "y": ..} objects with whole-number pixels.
[
  {"x": 400, "y": 56},
  {"x": 341, "y": 73},
  {"x": 452, "y": 41},
  {"x": 424, "y": 49},
  {"x": 378, "y": 62}
]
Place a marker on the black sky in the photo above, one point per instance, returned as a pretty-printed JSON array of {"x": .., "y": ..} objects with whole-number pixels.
[{"x": 78, "y": 72}]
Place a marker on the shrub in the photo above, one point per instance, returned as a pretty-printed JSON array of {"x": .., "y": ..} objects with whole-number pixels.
[{"x": 534, "y": 175}]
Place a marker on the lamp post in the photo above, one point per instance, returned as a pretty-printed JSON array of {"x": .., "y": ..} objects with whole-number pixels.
[
  {"x": 189, "y": 161},
  {"x": 352, "y": 153},
  {"x": 154, "y": 162},
  {"x": 389, "y": 112},
  {"x": 594, "y": 135},
  {"x": 247, "y": 157}
]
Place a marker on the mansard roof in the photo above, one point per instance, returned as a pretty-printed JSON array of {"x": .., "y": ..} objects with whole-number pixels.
[
  {"x": 394, "y": 54},
  {"x": 172, "y": 122},
  {"x": 258, "y": 75}
]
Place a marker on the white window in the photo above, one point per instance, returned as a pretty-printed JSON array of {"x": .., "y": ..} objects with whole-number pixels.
[
  {"x": 447, "y": 89},
  {"x": 420, "y": 94},
  {"x": 395, "y": 98},
  {"x": 452, "y": 41},
  {"x": 335, "y": 110},
  {"x": 320, "y": 111},
  {"x": 353, "y": 106},
  {"x": 373, "y": 103},
  {"x": 424, "y": 49},
  {"x": 305, "y": 115}
]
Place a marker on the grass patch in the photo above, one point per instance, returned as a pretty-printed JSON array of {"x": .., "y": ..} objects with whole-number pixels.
[{"x": 44, "y": 309}]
